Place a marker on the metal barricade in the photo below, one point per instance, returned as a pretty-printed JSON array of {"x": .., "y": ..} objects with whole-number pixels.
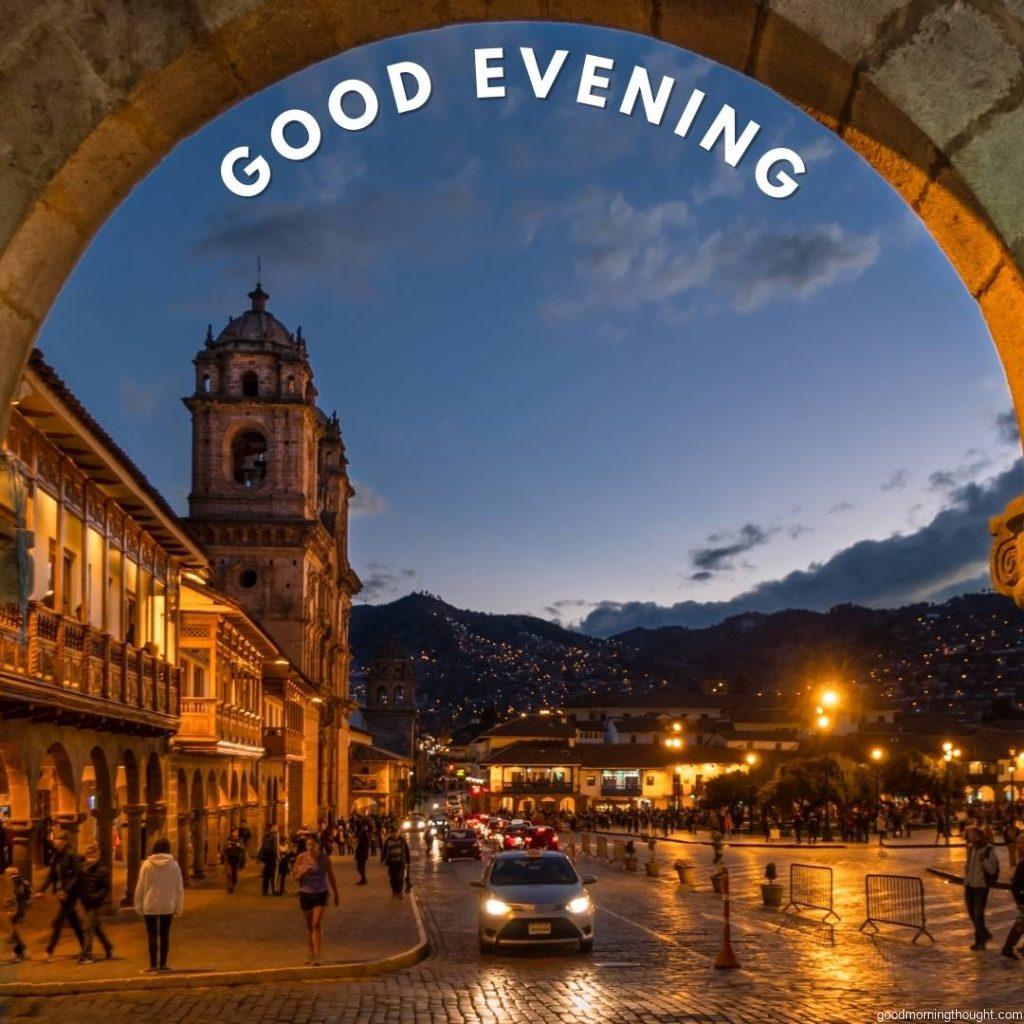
[
  {"x": 897, "y": 900},
  {"x": 586, "y": 843},
  {"x": 602, "y": 847},
  {"x": 810, "y": 886},
  {"x": 618, "y": 857}
]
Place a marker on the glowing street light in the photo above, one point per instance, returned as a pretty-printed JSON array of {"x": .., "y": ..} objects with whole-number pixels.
[
  {"x": 827, "y": 699},
  {"x": 877, "y": 754},
  {"x": 950, "y": 754}
]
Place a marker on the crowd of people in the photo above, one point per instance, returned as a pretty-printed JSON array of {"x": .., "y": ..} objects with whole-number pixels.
[{"x": 80, "y": 886}]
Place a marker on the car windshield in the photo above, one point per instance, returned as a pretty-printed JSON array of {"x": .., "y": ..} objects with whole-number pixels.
[{"x": 533, "y": 871}]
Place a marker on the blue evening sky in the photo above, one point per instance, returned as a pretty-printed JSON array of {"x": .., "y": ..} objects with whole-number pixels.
[{"x": 576, "y": 358}]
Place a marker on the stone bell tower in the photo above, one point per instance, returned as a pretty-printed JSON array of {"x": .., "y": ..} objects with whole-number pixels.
[
  {"x": 269, "y": 502},
  {"x": 391, "y": 699}
]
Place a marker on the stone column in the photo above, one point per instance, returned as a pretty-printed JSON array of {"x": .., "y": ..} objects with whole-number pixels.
[
  {"x": 133, "y": 850},
  {"x": 184, "y": 851},
  {"x": 21, "y": 834},
  {"x": 156, "y": 821},
  {"x": 212, "y": 836},
  {"x": 197, "y": 834},
  {"x": 69, "y": 822}
]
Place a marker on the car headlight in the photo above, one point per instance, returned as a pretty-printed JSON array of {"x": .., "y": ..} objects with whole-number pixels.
[
  {"x": 578, "y": 905},
  {"x": 406, "y": 824},
  {"x": 496, "y": 908},
  {"x": 419, "y": 824}
]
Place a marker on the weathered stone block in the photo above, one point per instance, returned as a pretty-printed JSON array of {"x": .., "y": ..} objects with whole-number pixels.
[
  {"x": 954, "y": 68},
  {"x": 719, "y": 31},
  {"x": 849, "y": 29},
  {"x": 987, "y": 162}
]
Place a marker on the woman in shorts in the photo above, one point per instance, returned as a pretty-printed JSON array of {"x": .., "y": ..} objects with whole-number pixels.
[{"x": 314, "y": 874}]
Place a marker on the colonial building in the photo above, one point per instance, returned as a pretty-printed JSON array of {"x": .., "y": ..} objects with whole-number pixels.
[
  {"x": 89, "y": 673},
  {"x": 269, "y": 502},
  {"x": 380, "y": 779}
]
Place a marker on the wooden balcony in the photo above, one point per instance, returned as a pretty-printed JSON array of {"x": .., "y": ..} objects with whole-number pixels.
[
  {"x": 280, "y": 741},
  {"x": 366, "y": 784},
  {"x": 62, "y": 670},
  {"x": 209, "y": 725}
]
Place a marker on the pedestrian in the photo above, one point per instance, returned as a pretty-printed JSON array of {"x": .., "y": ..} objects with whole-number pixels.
[
  {"x": 63, "y": 879},
  {"x": 244, "y": 836},
  {"x": 362, "y": 854},
  {"x": 314, "y": 874},
  {"x": 395, "y": 857},
  {"x": 980, "y": 874},
  {"x": 1016, "y": 933},
  {"x": 798, "y": 827},
  {"x": 232, "y": 856},
  {"x": 159, "y": 897},
  {"x": 268, "y": 855},
  {"x": 286, "y": 857},
  {"x": 15, "y": 898},
  {"x": 881, "y": 826},
  {"x": 94, "y": 892}
]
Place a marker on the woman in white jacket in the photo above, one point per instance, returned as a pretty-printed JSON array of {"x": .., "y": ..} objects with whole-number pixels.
[{"x": 159, "y": 896}]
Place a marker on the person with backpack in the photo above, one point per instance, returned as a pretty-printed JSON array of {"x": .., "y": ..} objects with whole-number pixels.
[
  {"x": 395, "y": 856},
  {"x": 981, "y": 872},
  {"x": 314, "y": 873},
  {"x": 63, "y": 879},
  {"x": 232, "y": 856},
  {"x": 17, "y": 895},
  {"x": 94, "y": 891},
  {"x": 268, "y": 855}
]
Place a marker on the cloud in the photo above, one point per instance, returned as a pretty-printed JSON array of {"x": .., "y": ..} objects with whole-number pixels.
[
  {"x": 946, "y": 480},
  {"x": 1006, "y": 428},
  {"x": 717, "y": 557},
  {"x": 841, "y": 506},
  {"x": 348, "y": 231},
  {"x": 137, "y": 399},
  {"x": 798, "y": 530},
  {"x": 367, "y": 501},
  {"x": 628, "y": 255},
  {"x": 947, "y": 555},
  {"x": 381, "y": 582},
  {"x": 897, "y": 480}
]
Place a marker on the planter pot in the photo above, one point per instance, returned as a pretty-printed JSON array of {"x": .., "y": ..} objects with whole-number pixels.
[
  {"x": 687, "y": 876},
  {"x": 653, "y": 869},
  {"x": 716, "y": 883},
  {"x": 631, "y": 863},
  {"x": 772, "y": 893}
]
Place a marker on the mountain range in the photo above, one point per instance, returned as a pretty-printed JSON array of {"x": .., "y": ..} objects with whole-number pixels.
[{"x": 470, "y": 664}]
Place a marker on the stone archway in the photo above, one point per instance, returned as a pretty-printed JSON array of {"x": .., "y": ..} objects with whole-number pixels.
[
  {"x": 198, "y": 831},
  {"x": 16, "y": 795},
  {"x": 132, "y": 810},
  {"x": 97, "y": 802},
  {"x": 56, "y": 798},
  {"x": 90, "y": 113},
  {"x": 156, "y": 805}
]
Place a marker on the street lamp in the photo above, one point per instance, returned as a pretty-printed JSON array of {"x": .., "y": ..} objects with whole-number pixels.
[
  {"x": 877, "y": 753},
  {"x": 677, "y": 788},
  {"x": 949, "y": 755},
  {"x": 1013, "y": 768},
  {"x": 824, "y": 722},
  {"x": 752, "y": 760}
]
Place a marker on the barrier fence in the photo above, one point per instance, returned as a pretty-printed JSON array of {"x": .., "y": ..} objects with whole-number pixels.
[
  {"x": 810, "y": 886},
  {"x": 896, "y": 900}
]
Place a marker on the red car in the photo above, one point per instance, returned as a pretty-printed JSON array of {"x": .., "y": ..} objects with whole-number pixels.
[
  {"x": 515, "y": 838},
  {"x": 540, "y": 837}
]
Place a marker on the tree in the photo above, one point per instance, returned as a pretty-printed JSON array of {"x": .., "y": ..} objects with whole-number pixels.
[{"x": 804, "y": 778}]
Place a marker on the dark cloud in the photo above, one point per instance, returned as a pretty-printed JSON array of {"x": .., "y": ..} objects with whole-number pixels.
[
  {"x": 897, "y": 480},
  {"x": 1006, "y": 428},
  {"x": 798, "y": 530},
  {"x": 381, "y": 582},
  {"x": 948, "y": 480},
  {"x": 700, "y": 577},
  {"x": 719, "y": 556},
  {"x": 841, "y": 506},
  {"x": 944, "y": 557}
]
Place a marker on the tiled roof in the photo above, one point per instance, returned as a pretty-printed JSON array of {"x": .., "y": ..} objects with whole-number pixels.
[
  {"x": 362, "y": 752},
  {"x": 532, "y": 725},
  {"x": 537, "y": 753},
  {"x": 652, "y": 755}
]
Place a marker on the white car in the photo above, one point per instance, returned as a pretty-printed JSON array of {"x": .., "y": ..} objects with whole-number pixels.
[
  {"x": 414, "y": 823},
  {"x": 534, "y": 897}
]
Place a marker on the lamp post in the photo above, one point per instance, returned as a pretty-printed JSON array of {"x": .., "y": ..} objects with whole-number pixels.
[
  {"x": 1013, "y": 769},
  {"x": 752, "y": 760},
  {"x": 827, "y": 700},
  {"x": 877, "y": 753},
  {"x": 949, "y": 755}
]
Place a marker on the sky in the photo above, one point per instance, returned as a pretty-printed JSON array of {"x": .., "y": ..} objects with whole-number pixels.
[{"x": 584, "y": 368}]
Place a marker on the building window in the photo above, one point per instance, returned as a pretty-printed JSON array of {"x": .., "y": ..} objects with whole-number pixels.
[
  {"x": 205, "y": 386},
  {"x": 247, "y": 579},
  {"x": 249, "y": 458},
  {"x": 399, "y": 695},
  {"x": 382, "y": 695},
  {"x": 291, "y": 385},
  {"x": 250, "y": 384}
]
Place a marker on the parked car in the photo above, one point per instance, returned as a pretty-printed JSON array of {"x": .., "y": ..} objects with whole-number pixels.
[
  {"x": 514, "y": 837},
  {"x": 461, "y": 842},
  {"x": 534, "y": 897}
]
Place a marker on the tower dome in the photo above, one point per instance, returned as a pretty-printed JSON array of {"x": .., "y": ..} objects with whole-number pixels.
[{"x": 257, "y": 325}]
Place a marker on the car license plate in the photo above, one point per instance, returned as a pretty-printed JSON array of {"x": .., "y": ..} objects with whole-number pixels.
[{"x": 539, "y": 928}]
